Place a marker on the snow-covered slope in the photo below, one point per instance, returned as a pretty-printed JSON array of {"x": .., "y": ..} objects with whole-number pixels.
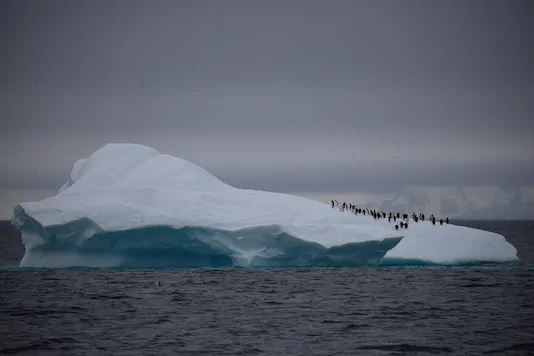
[
  {"x": 129, "y": 205},
  {"x": 449, "y": 244}
]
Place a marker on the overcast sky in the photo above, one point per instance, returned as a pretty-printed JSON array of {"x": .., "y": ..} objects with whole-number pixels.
[{"x": 306, "y": 96}]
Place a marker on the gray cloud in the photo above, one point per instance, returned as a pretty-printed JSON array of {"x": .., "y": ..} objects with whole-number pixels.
[
  {"x": 374, "y": 178},
  {"x": 289, "y": 96},
  {"x": 104, "y": 46},
  {"x": 320, "y": 163}
]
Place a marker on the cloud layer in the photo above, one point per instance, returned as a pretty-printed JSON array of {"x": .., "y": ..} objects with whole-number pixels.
[{"x": 299, "y": 96}]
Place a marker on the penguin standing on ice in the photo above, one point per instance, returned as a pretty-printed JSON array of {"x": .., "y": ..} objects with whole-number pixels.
[
  {"x": 447, "y": 221},
  {"x": 396, "y": 227}
]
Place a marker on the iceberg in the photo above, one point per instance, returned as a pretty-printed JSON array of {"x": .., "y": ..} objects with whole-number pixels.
[
  {"x": 427, "y": 244},
  {"x": 128, "y": 205}
]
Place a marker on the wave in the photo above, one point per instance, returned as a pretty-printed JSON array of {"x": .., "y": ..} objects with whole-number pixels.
[{"x": 408, "y": 348}]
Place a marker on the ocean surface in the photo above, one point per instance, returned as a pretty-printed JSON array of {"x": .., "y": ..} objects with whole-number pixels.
[{"x": 487, "y": 309}]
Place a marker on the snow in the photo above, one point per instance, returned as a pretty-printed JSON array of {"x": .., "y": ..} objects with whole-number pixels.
[
  {"x": 451, "y": 244},
  {"x": 127, "y": 197}
]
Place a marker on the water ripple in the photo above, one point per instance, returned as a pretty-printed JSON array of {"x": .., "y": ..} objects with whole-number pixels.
[{"x": 228, "y": 312}]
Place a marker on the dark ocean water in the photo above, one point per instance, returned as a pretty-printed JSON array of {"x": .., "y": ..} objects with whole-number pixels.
[{"x": 369, "y": 311}]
